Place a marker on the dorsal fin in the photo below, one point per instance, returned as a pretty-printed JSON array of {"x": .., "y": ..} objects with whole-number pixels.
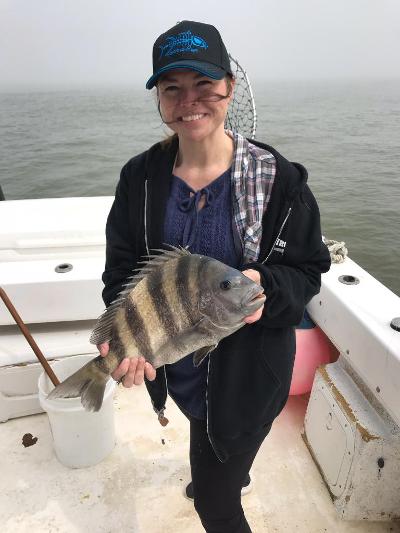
[{"x": 103, "y": 328}]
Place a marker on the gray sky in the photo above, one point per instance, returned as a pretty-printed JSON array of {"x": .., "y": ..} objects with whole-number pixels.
[{"x": 88, "y": 42}]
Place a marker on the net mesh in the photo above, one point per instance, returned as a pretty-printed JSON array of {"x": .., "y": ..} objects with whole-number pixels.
[{"x": 241, "y": 116}]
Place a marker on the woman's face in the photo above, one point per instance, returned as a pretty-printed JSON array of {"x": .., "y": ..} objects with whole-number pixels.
[{"x": 190, "y": 105}]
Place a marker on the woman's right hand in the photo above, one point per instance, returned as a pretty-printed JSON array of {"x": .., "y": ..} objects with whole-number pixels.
[{"x": 131, "y": 371}]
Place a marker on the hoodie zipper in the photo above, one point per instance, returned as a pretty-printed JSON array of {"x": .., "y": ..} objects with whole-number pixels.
[
  {"x": 279, "y": 234},
  {"x": 207, "y": 415},
  {"x": 145, "y": 217}
]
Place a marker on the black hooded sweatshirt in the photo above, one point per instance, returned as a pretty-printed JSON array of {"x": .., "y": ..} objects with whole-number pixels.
[{"x": 250, "y": 371}]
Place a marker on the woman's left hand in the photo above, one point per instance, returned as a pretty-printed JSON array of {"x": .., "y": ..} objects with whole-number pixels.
[{"x": 255, "y": 276}]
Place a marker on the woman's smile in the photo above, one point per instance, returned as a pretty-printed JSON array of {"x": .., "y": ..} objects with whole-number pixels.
[{"x": 191, "y": 118}]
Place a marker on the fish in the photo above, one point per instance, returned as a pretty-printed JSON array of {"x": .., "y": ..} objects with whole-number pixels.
[
  {"x": 176, "y": 304},
  {"x": 185, "y": 41}
]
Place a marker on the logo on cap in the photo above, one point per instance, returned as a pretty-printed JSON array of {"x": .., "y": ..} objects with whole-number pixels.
[{"x": 183, "y": 42}]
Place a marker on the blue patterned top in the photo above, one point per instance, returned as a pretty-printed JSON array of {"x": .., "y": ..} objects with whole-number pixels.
[{"x": 209, "y": 231}]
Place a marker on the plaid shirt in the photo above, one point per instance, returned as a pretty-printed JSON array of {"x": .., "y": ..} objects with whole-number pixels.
[{"x": 252, "y": 176}]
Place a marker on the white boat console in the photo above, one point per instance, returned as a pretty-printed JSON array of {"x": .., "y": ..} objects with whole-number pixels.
[{"x": 353, "y": 415}]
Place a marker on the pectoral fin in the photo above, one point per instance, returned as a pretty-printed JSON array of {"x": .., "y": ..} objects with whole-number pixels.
[{"x": 200, "y": 354}]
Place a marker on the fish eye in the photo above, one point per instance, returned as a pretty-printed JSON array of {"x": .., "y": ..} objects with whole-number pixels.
[{"x": 225, "y": 285}]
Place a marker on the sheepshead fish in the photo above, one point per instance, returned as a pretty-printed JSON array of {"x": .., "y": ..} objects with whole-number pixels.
[{"x": 179, "y": 303}]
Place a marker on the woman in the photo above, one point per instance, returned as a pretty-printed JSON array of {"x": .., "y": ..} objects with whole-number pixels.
[{"x": 217, "y": 194}]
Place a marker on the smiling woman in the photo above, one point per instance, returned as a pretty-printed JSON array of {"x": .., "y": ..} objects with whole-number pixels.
[
  {"x": 176, "y": 91},
  {"x": 201, "y": 103},
  {"x": 213, "y": 192}
]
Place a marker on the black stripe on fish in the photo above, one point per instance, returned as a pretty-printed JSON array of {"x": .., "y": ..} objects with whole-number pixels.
[
  {"x": 183, "y": 273},
  {"x": 102, "y": 364},
  {"x": 117, "y": 346},
  {"x": 162, "y": 307},
  {"x": 139, "y": 330}
]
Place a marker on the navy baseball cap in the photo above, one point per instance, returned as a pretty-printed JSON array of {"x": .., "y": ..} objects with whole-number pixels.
[{"x": 190, "y": 45}]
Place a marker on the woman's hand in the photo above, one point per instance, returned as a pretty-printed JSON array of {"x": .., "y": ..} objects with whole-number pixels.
[
  {"x": 132, "y": 370},
  {"x": 254, "y": 275}
]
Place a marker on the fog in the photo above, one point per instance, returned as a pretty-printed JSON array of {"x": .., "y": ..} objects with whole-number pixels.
[{"x": 51, "y": 43}]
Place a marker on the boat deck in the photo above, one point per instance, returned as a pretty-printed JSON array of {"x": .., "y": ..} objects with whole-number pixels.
[{"x": 138, "y": 488}]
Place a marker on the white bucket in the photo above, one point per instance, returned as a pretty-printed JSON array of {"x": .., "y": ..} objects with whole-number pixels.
[{"x": 80, "y": 438}]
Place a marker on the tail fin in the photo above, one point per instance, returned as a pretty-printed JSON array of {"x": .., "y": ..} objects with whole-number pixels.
[{"x": 88, "y": 382}]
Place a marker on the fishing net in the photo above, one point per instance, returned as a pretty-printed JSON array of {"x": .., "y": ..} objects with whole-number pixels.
[{"x": 241, "y": 116}]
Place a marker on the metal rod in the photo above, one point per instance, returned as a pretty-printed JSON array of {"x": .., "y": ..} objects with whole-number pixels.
[{"x": 28, "y": 337}]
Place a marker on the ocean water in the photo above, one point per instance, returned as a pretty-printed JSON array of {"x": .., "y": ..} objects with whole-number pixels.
[{"x": 347, "y": 134}]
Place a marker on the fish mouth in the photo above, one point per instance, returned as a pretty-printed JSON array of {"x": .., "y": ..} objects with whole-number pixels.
[{"x": 255, "y": 299}]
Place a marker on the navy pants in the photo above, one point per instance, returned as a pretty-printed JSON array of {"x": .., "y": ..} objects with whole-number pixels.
[{"x": 217, "y": 485}]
